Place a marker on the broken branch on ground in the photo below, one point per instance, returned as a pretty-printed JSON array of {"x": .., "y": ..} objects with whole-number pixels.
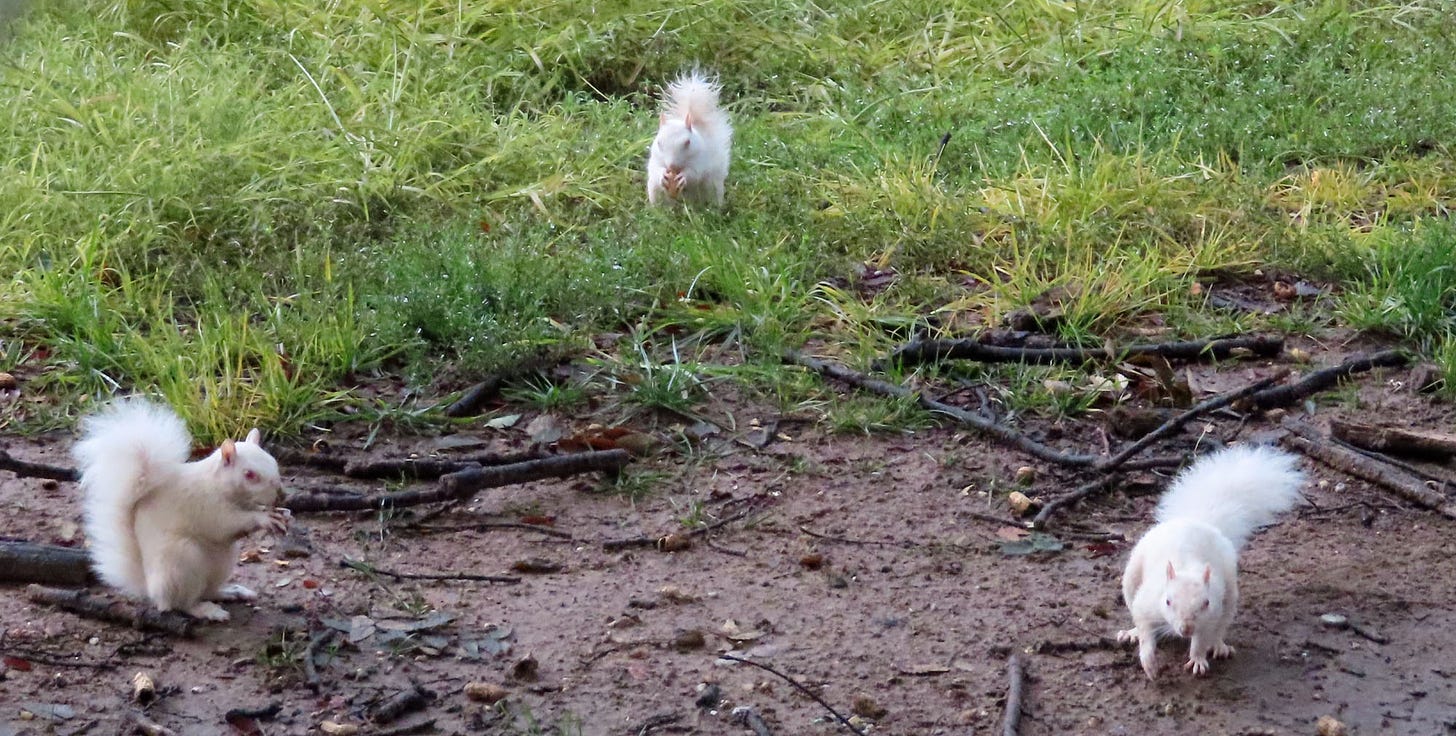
[
  {"x": 934, "y": 351},
  {"x": 1016, "y": 682},
  {"x": 1319, "y": 380},
  {"x": 23, "y": 562},
  {"x": 993, "y": 429},
  {"x": 797, "y": 686},
  {"x": 1308, "y": 440},
  {"x": 128, "y": 613},
  {"x": 462, "y": 484},
  {"x": 369, "y": 569},
  {"x": 1395, "y": 440}
]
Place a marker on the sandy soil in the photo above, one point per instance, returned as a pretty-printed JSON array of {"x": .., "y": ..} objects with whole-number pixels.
[{"x": 865, "y": 571}]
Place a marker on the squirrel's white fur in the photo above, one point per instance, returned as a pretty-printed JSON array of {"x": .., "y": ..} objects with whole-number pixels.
[
  {"x": 165, "y": 529},
  {"x": 1182, "y": 577},
  {"x": 689, "y": 157}
]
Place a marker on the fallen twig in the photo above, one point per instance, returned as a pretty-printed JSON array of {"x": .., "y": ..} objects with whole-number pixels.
[
  {"x": 1397, "y": 440},
  {"x": 369, "y": 569},
  {"x": 999, "y": 431},
  {"x": 147, "y": 726},
  {"x": 265, "y": 713},
  {"x": 1103, "y": 643},
  {"x": 932, "y": 351},
  {"x": 23, "y": 562},
  {"x": 488, "y": 525},
  {"x": 413, "y": 698},
  {"x": 1016, "y": 677},
  {"x": 310, "y": 657},
  {"x": 464, "y": 483},
  {"x": 469, "y": 403},
  {"x": 129, "y": 613},
  {"x": 797, "y": 686},
  {"x": 1166, "y": 428},
  {"x": 27, "y": 469},
  {"x": 1322, "y": 379},
  {"x": 620, "y": 544},
  {"x": 1309, "y": 441},
  {"x": 406, "y": 729}
]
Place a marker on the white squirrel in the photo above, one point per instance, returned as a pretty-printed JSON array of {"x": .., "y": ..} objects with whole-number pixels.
[
  {"x": 165, "y": 529},
  {"x": 689, "y": 157},
  {"x": 1182, "y": 577}
]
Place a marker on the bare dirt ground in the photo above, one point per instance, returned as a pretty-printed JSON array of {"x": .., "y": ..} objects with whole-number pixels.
[{"x": 866, "y": 570}]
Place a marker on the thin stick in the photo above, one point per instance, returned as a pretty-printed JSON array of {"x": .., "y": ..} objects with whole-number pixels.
[
  {"x": 620, "y": 544},
  {"x": 932, "y": 351},
  {"x": 310, "y": 667},
  {"x": 1166, "y": 428},
  {"x": 1323, "y": 379},
  {"x": 369, "y": 569},
  {"x": 488, "y": 525},
  {"x": 975, "y": 421},
  {"x": 27, "y": 469},
  {"x": 464, "y": 483},
  {"x": 798, "y": 687},
  {"x": 1016, "y": 675}
]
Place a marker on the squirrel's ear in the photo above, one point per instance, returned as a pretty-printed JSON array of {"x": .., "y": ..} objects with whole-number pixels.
[
  {"x": 662, "y": 119},
  {"x": 688, "y": 120},
  {"x": 1207, "y": 573},
  {"x": 1171, "y": 573},
  {"x": 229, "y": 450},
  {"x": 255, "y": 437}
]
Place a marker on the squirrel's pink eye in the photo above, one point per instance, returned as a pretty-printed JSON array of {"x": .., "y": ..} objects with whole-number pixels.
[{"x": 250, "y": 476}]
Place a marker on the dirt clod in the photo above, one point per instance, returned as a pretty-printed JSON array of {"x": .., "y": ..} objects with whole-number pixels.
[
  {"x": 485, "y": 692},
  {"x": 866, "y": 706}
]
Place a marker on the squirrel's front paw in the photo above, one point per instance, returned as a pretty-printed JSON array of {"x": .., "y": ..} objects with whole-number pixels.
[
  {"x": 278, "y": 521},
  {"x": 1197, "y": 665},
  {"x": 1222, "y": 651},
  {"x": 1127, "y": 635}
]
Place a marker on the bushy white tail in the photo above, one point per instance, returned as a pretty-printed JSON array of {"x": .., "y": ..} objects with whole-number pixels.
[
  {"x": 122, "y": 450},
  {"x": 1235, "y": 490},
  {"x": 694, "y": 96}
]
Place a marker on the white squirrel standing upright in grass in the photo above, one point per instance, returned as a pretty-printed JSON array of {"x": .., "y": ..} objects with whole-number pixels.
[
  {"x": 689, "y": 157},
  {"x": 1182, "y": 577},
  {"x": 165, "y": 529}
]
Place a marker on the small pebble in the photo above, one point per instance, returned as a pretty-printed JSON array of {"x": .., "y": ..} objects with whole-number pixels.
[{"x": 1334, "y": 620}]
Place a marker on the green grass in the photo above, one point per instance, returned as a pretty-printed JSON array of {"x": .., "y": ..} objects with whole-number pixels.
[{"x": 255, "y": 208}]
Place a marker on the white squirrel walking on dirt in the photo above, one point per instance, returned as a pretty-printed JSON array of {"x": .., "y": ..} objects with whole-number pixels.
[
  {"x": 689, "y": 157},
  {"x": 1182, "y": 576},
  {"x": 165, "y": 529}
]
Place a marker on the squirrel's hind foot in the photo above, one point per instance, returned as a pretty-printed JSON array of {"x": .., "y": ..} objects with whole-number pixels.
[
  {"x": 1125, "y": 636},
  {"x": 209, "y": 611},
  {"x": 1222, "y": 651},
  {"x": 235, "y": 592}
]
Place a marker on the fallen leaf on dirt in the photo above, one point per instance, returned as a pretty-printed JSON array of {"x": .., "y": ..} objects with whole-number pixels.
[
  {"x": 545, "y": 429},
  {"x": 812, "y": 561},
  {"x": 360, "y": 628},
  {"x": 1102, "y": 549},
  {"x": 506, "y": 421},
  {"x": 1034, "y": 543},
  {"x": 334, "y": 728},
  {"x": 1011, "y": 533},
  {"x": 594, "y": 438},
  {"x": 538, "y": 520},
  {"x": 536, "y": 566},
  {"x": 674, "y": 543},
  {"x": 637, "y": 443},
  {"x": 310, "y": 583},
  {"x": 8, "y": 382},
  {"x": 699, "y": 431},
  {"x": 17, "y": 664},
  {"x": 1020, "y": 502}
]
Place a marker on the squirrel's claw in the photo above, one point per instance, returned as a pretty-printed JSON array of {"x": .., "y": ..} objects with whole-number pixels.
[
  {"x": 278, "y": 521},
  {"x": 1197, "y": 665},
  {"x": 1125, "y": 636},
  {"x": 1222, "y": 651}
]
